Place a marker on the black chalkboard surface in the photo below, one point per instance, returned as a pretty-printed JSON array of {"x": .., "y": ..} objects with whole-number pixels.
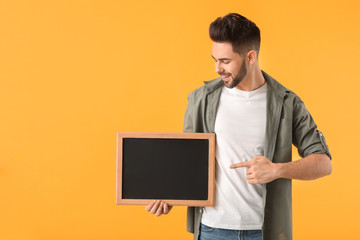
[{"x": 175, "y": 167}]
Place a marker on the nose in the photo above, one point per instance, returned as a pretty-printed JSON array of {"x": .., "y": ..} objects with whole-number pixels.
[{"x": 218, "y": 68}]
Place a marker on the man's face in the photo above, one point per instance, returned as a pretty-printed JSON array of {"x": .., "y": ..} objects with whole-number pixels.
[{"x": 228, "y": 64}]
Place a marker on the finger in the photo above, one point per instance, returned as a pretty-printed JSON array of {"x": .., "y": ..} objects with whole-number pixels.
[
  {"x": 160, "y": 209},
  {"x": 148, "y": 207},
  {"x": 249, "y": 177},
  {"x": 253, "y": 181},
  {"x": 155, "y": 207},
  {"x": 167, "y": 208},
  {"x": 241, "y": 164}
]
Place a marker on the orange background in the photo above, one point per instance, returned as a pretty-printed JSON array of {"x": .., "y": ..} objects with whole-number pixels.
[{"x": 73, "y": 73}]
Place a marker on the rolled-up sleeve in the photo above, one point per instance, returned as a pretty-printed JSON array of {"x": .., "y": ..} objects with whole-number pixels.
[{"x": 306, "y": 137}]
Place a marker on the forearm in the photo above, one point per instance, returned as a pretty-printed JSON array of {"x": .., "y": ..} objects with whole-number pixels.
[{"x": 311, "y": 167}]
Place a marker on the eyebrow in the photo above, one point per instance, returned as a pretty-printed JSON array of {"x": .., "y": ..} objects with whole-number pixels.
[{"x": 221, "y": 58}]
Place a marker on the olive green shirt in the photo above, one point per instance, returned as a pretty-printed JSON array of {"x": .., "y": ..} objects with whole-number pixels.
[{"x": 287, "y": 122}]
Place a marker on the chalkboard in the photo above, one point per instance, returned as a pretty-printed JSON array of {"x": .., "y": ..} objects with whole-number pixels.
[{"x": 178, "y": 168}]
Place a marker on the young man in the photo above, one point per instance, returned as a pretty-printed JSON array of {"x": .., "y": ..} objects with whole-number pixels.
[{"x": 256, "y": 121}]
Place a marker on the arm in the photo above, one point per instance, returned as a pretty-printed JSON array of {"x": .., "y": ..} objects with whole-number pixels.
[
  {"x": 311, "y": 144},
  {"x": 261, "y": 170},
  {"x": 308, "y": 168}
]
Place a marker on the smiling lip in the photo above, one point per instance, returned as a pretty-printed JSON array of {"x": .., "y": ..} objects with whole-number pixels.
[{"x": 225, "y": 78}]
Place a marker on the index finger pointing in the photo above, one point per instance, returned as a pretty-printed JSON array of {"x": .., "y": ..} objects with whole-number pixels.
[{"x": 241, "y": 164}]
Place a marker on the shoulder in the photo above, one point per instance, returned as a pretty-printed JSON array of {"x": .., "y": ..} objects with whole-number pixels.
[
  {"x": 280, "y": 90},
  {"x": 275, "y": 86}
]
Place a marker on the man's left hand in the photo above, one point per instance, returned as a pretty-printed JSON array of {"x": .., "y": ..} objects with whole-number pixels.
[{"x": 260, "y": 170}]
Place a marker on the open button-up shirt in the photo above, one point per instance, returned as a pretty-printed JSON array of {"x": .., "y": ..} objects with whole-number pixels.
[{"x": 287, "y": 122}]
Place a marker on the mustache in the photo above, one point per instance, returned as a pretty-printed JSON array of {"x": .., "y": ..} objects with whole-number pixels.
[{"x": 224, "y": 74}]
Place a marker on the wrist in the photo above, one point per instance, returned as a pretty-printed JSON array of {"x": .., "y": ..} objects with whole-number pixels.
[{"x": 278, "y": 170}]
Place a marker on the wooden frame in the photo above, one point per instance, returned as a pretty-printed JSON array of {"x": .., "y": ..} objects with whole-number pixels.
[{"x": 211, "y": 167}]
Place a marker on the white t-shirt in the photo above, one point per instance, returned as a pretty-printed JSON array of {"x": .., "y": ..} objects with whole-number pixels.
[{"x": 240, "y": 135}]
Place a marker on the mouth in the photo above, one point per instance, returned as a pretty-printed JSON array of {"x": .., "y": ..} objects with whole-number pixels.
[{"x": 225, "y": 77}]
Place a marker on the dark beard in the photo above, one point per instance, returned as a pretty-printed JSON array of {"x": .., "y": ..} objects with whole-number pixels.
[{"x": 239, "y": 76}]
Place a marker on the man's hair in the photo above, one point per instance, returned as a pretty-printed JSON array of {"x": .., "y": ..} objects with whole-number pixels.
[{"x": 242, "y": 33}]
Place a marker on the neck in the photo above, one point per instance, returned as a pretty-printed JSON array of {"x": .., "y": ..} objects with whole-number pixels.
[{"x": 252, "y": 81}]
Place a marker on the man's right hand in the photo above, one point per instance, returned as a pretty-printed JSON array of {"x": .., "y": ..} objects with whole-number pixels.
[{"x": 158, "y": 207}]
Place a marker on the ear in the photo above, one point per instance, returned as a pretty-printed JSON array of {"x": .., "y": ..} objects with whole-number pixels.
[{"x": 251, "y": 57}]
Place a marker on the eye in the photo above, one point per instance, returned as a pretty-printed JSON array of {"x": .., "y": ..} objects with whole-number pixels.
[{"x": 226, "y": 62}]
